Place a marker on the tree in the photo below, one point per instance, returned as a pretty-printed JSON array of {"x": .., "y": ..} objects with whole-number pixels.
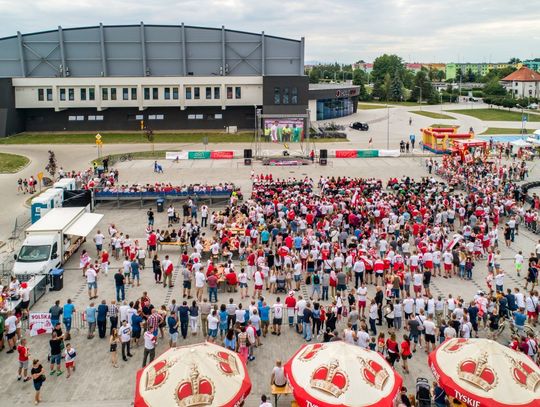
[
  {"x": 440, "y": 75},
  {"x": 396, "y": 91},
  {"x": 514, "y": 61},
  {"x": 421, "y": 81},
  {"x": 359, "y": 77},
  {"x": 383, "y": 66},
  {"x": 494, "y": 88},
  {"x": 470, "y": 76},
  {"x": 314, "y": 75},
  {"x": 387, "y": 86},
  {"x": 51, "y": 166}
]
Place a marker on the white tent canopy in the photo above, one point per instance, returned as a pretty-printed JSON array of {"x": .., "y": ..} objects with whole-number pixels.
[
  {"x": 537, "y": 133},
  {"x": 520, "y": 143}
]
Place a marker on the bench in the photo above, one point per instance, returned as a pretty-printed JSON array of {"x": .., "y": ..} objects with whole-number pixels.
[
  {"x": 277, "y": 392},
  {"x": 179, "y": 244}
]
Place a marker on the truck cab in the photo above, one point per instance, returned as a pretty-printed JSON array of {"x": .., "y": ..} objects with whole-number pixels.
[{"x": 39, "y": 254}]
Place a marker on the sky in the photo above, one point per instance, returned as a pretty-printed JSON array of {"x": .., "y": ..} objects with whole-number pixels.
[{"x": 339, "y": 30}]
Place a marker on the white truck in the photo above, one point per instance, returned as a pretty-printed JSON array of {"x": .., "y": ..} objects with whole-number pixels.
[{"x": 51, "y": 241}]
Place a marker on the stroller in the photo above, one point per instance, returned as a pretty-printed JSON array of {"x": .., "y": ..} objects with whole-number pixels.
[
  {"x": 423, "y": 392},
  {"x": 281, "y": 284}
]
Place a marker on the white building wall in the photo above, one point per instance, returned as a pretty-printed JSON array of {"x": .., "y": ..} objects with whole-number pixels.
[{"x": 26, "y": 91}]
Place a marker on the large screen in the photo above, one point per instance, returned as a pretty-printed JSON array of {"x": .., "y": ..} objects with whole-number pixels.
[{"x": 283, "y": 130}]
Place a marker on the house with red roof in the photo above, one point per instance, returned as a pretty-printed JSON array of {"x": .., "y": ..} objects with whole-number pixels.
[{"x": 523, "y": 83}]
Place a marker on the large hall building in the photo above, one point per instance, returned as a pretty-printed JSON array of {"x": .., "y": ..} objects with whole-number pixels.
[{"x": 162, "y": 77}]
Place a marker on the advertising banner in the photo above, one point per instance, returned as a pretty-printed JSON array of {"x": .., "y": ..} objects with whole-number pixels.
[
  {"x": 176, "y": 155},
  {"x": 222, "y": 155},
  {"x": 346, "y": 154},
  {"x": 368, "y": 153},
  {"x": 389, "y": 153},
  {"x": 39, "y": 323},
  {"x": 199, "y": 155}
]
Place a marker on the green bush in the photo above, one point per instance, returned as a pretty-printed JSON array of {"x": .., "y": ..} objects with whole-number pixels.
[{"x": 478, "y": 93}]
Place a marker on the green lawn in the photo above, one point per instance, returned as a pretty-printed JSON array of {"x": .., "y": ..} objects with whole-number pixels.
[
  {"x": 496, "y": 115},
  {"x": 130, "y": 138},
  {"x": 444, "y": 126},
  {"x": 502, "y": 130},
  {"x": 120, "y": 138},
  {"x": 11, "y": 163},
  {"x": 369, "y": 106},
  {"x": 432, "y": 115}
]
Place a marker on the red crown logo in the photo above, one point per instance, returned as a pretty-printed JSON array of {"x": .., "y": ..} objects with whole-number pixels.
[
  {"x": 525, "y": 375},
  {"x": 373, "y": 373},
  {"x": 195, "y": 391},
  {"x": 455, "y": 345},
  {"x": 157, "y": 375},
  {"x": 330, "y": 379},
  {"x": 310, "y": 352},
  {"x": 477, "y": 373},
  {"x": 226, "y": 363}
]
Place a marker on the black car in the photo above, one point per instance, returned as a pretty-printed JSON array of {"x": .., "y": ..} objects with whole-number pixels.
[{"x": 359, "y": 126}]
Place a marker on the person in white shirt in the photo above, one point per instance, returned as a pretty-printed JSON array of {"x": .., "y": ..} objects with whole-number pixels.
[
  {"x": 125, "y": 338},
  {"x": 200, "y": 280},
  {"x": 362, "y": 339},
  {"x": 429, "y": 331},
  {"x": 98, "y": 240},
  {"x": 213, "y": 322},
  {"x": 277, "y": 308},
  {"x": 91, "y": 281},
  {"x": 518, "y": 262},
  {"x": 265, "y": 402},
  {"x": 408, "y": 307},
  {"x": 149, "y": 347}
]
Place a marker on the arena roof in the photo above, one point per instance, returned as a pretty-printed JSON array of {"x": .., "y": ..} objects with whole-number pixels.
[{"x": 149, "y": 50}]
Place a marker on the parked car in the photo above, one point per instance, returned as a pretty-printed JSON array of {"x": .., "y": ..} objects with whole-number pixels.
[
  {"x": 533, "y": 106},
  {"x": 471, "y": 99},
  {"x": 359, "y": 126}
]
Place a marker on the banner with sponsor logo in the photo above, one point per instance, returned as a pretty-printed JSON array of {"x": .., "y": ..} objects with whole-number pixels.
[
  {"x": 389, "y": 153},
  {"x": 176, "y": 155},
  {"x": 222, "y": 155},
  {"x": 346, "y": 153},
  {"x": 39, "y": 323},
  {"x": 368, "y": 153},
  {"x": 199, "y": 155}
]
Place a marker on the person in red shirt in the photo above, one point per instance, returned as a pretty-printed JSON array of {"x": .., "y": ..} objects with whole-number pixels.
[
  {"x": 105, "y": 262},
  {"x": 212, "y": 282},
  {"x": 392, "y": 349},
  {"x": 290, "y": 304},
  {"x": 152, "y": 242},
  {"x": 24, "y": 352},
  {"x": 232, "y": 280},
  {"x": 405, "y": 352}
]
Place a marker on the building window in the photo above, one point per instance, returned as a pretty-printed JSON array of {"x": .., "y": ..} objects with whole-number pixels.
[
  {"x": 71, "y": 94},
  {"x": 62, "y": 94},
  {"x": 208, "y": 93},
  {"x": 41, "y": 95},
  {"x": 175, "y": 93},
  {"x": 113, "y": 93},
  {"x": 91, "y": 94},
  {"x": 238, "y": 92},
  {"x": 196, "y": 92},
  {"x": 285, "y": 96},
  {"x": 76, "y": 118},
  {"x": 133, "y": 93},
  {"x": 218, "y": 116},
  {"x": 91, "y": 118},
  {"x": 195, "y": 117},
  {"x": 125, "y": 93},
  {"x": 49, "y": 95},
  {"x": 217, "y": 92},
  {"x": 277, "y": 96},
  {"x": 188, "y": 93},
  {"x": 294, "y": 96},
  {"x": 146, "y": 93},
  {"x": 105, "y": 94},
  {"x": 155, "y": 93},
  {"x": 167, "y": 93},
  {"x": 83, "y": 93},
  {"x": 156, "y": 117},
  {"x": 229, "y": 92}
]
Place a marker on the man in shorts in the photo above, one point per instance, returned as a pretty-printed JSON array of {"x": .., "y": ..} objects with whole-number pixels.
[
  {"x": 24, "y": 352},
  {"x": 11, "y": 331},
  {"x": 277, "y": 308}
]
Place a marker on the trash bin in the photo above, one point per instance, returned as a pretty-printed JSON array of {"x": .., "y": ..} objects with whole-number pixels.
[
  {"x": 57, "y": 279},
  {"x": 160, "y": 204}
]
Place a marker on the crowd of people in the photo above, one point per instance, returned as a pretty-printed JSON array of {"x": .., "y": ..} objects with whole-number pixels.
[{"x": 343, "y": 258}]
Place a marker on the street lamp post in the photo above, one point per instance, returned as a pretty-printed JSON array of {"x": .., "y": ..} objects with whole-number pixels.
[
  {"x": 420, "y": 99},
  {"x": 522, "y": 117},
  {"x": 387, "y": 126}
]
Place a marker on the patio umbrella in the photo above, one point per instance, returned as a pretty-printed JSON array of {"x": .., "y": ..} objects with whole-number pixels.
[
  {"x": 204, "y": 374},
  {"x": 484, "y": 373},
  {"x": 337, "y": 374}
]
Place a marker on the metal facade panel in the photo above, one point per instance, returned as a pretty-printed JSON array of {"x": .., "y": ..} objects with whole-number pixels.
[{"x": 163, "y": 48}]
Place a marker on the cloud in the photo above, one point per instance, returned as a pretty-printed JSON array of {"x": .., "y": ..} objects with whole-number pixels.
[{"x": 338, "y": 30}]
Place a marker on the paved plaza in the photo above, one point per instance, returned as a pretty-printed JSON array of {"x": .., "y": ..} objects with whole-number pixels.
[{"x": 96, "y": 382}]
